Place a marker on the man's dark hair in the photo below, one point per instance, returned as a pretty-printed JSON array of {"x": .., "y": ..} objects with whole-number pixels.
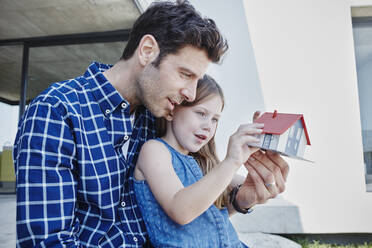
[{"x": 174, "y": 26}]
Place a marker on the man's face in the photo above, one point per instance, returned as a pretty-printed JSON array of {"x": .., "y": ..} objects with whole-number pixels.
[{"x": 174, "y": 81}]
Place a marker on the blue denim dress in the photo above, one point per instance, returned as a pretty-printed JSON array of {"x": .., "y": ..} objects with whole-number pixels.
[{"x": 211, "y": 229}]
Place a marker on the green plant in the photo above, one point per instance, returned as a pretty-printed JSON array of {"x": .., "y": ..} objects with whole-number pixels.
[{"x": 305, "y": 243}]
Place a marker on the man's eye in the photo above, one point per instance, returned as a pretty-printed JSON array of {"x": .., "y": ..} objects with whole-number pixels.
[{"x": 186, "y": 75}]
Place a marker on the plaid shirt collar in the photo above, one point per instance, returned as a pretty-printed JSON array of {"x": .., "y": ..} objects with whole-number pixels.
[{"x": 104, "y": 92}]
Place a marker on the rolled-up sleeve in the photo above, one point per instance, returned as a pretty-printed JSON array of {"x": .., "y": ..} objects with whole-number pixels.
[{"x": 44, "y": 160}]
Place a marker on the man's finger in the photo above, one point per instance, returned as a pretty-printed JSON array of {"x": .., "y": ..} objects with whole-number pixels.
[
  {"x": 277, "y": 159},
  {"x": 262, "y": 193},
  {"x": 267, "y": 176},
  {"x": 273, "y": 168}
]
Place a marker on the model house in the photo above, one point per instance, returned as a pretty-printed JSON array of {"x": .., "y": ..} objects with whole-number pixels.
[{"x": 284, "y": 133}]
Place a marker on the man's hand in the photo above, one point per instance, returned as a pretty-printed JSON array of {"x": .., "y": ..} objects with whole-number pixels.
[{"x": 267, "y": 174}]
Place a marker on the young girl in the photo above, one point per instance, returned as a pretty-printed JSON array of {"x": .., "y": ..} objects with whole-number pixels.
[{"x": 180, "y": 185}]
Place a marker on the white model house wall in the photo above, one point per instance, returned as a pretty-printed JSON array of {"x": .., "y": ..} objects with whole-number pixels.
[
  {"x": 293, "y": 145},
  {"x": 283, "y": 141},
  {"x": 302, "y": 145}
]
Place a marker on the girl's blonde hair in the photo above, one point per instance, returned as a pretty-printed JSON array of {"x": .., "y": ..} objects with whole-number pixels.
[{"x": 206, "y": 157}]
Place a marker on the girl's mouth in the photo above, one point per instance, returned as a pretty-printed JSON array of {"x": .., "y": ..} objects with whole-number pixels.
[{"x": 201, "y": 136}]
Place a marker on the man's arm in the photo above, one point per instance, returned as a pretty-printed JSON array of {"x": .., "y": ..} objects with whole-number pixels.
[{"x": 44, "y": 154}]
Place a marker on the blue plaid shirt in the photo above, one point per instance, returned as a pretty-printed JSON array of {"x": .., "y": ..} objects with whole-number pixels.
[{"x": 74, "y": 184}]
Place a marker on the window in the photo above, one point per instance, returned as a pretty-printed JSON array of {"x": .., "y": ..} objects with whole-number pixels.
[
  {"x": 299, "y": 132},
  {"x": 362, "y": 31},
  {"x": 291, "y": 132}
]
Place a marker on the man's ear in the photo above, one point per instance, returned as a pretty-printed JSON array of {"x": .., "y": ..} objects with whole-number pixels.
[{"x": 148, "y": 49}]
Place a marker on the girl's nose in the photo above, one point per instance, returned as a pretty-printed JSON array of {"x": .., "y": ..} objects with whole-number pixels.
[{"x": 207, "y": 125}]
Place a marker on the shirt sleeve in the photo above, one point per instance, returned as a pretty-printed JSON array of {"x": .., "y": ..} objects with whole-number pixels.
[{"x": 44, "y": 159}]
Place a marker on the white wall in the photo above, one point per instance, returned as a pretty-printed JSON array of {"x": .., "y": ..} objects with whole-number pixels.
[
  {"x": 305, "y": 59},
  {"x": 237, "y": 74},
  {"x": 8, "y": 124}
]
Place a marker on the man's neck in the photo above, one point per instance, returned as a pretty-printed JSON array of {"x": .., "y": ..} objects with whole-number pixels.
[{"x": 123, "y": 76}]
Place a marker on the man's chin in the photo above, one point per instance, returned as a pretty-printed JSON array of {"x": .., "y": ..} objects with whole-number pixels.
[
  {"x": 166, "y": 114},
  {"x": 169, "y": 117}
]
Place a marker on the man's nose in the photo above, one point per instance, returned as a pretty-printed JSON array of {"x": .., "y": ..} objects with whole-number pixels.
[{"x": 189, "y": 93}]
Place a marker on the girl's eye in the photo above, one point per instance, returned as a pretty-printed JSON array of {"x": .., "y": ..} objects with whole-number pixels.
[
  {"x": 202, "y": 114},
  {"x": 215, "y": 120}
]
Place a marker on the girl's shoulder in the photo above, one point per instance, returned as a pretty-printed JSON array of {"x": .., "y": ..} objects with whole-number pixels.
[
  {"x": 154, "y": 157},
  {"x": 154, "y": 145},
  {"x": 154, "y": 150}
]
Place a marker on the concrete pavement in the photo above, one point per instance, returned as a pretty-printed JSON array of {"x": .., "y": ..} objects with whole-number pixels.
[
  {"x": 253, "y": 238},
  {"x": 7, "y": 221}
]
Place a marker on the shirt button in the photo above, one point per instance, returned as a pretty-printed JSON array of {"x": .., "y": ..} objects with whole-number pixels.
[
  {"x": 123, "y": 105},
  {"x": 126, "y": 137},
  {"x": 135, "y": 239},
  {"x": 122, "y": 204},
  {"x": 107, "y": 111}
]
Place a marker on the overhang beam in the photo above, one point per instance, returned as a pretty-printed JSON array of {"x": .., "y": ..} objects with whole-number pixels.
[{"x": 70, "y": 39}]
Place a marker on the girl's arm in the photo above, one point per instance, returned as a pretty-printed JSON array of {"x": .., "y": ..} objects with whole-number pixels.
[{"x": 181, "y": 204}]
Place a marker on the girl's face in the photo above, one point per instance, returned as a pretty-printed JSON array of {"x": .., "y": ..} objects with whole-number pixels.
[{"x": 194, "y": 126}]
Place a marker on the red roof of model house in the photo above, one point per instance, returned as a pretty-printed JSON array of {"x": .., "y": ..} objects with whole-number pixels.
[{"x": 278, "y": 123}]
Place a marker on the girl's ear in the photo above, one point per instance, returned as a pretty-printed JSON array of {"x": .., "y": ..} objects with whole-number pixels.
[{"x": 148, "y": 49}]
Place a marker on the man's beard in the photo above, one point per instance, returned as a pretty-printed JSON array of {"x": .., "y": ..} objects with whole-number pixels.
[{"x": 148, "y": 93}]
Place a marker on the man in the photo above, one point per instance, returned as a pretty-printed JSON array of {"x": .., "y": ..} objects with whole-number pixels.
[{"x": 78, "y": 141}]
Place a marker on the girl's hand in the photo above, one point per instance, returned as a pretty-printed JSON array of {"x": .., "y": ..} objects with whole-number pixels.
[{"x": 238, "y": 150}]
